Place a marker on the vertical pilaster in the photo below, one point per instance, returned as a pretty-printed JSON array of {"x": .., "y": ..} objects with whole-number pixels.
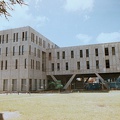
[{"x": 27, "y": 85}]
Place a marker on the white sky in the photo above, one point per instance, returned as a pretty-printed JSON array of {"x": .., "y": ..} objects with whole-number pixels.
[{"x": 69, "y": 22}]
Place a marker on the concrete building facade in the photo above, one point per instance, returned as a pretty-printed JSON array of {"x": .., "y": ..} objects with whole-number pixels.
[
  {"x": 28, "y": 61},
  {"x": 70, "y": 63},
  {"x": 23, "y": 59}
]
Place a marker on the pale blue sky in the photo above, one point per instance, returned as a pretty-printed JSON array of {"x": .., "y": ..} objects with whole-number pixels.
[{"x": 69, "y": 22}]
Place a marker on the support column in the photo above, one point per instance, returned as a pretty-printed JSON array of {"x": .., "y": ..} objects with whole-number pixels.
[
  {"x": 18, "y": 84},
  {"x": 53, "y": 77},
  {"x": 9, "y": 85},
  {"x": 69, "y": 81},
  {"x": 27, "y": 85},
  {"x": 102, "y": 80}
]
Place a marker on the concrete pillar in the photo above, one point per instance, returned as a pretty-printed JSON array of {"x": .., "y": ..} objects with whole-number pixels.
[
  {"x": 69, "y": 81},
  {"x": 53, "y": 77},
  {"x": 27, "y": 85},
  {"x": 9, "y": 85},
  {"x": 18, "y": 84},
  {"x": 102, "y": 80}
]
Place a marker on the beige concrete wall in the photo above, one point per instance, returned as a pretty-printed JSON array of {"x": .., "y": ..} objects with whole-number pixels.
[
  {"x": 113, "y": 59},
  {"x": 21, "y": 73}
]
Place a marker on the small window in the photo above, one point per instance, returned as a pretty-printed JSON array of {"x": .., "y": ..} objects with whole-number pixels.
[
  {"x": 36, "y": 65},
  {"x": 7, "y": 38},
  {"x": 0, "y": 51},
  {"x": 97, "y": 64},
  {"x": 16, "y": 37},
  {"x": 50, "y": 56},
  {"x": 106, "y": 52},
  {"x": 23, "y": 84},
  {"x": 44, "y": 84},
  {"x": 35, "y": 84},
  {"x": 23, "y": 36},
  {"x": 72, "y": 54},
  {"x": 87, "y": 53},
  {"x": 32, "y": 37},
  {"x": 63, "y": 54},
  {"x": 96, "y": 52},
  {"x": 81, "y": 53},
  {"x": 14, "y": 84},
  {"x": 58, "y": 55},
  {"x": 78, "y": 65},
  {"x": 52, "y": 66},
  {"x": 5, "y": 85},
  {"x": 25, "y": 63},
  {"x": 38, "y": 53},
  {"x": 34, "y": 51},
  {"x": 16, "y": 64},
  {"x": 66, "y": 65},
  {"x": 58, "y": 66},
  {"x": 22, "y": 49},
  {"x": 113, "y": 50},
  {"x": 6, "y": 65},
  {"x": 40, "y": 84},
  {"x": 29, "y": 49},
  {"x": 1, "y": 65},
  {"x": 0, "y": 39},
  {"x": 40, "y": 41},
  {"x": 43, "y": 67},
  {"x": 19, "y": 49},
  {"x": 3, "y": 39},
  {"x": 107, "y": 63},
  {"x": 31, "y": 63},
  {"x": 6, "y": 51},
  {"x": 87, "y": 64},
  {"x": 36, "y": 39}
]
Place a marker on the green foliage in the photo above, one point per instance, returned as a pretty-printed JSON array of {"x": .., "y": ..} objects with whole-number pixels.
[{"x": 55, "y": 85}]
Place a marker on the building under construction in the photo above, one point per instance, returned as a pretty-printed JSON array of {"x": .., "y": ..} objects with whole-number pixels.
[{"x": 29, "y": 61}]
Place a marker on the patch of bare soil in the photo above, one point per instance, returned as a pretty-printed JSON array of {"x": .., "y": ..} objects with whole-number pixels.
[{"x": 101, "y": 105}]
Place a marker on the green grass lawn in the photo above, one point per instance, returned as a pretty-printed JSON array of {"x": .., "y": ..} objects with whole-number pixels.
[{"x": 72, "y": 106}]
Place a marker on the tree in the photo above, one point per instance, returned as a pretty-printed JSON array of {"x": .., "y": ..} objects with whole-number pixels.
[
  {"x": 55, "y": 85},
  {"x": 6, "y": 5}
]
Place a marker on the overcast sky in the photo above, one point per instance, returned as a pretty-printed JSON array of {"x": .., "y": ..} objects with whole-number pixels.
[{"x": 69, "y": 22}]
